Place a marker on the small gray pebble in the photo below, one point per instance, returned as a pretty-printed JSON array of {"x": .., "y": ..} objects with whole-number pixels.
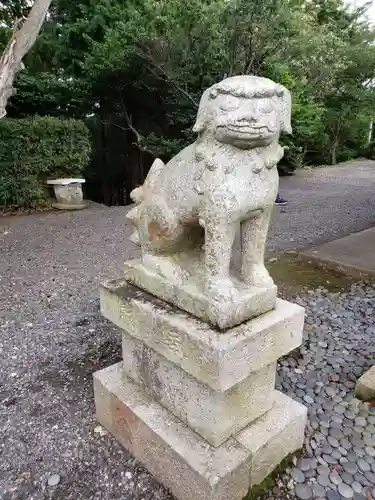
[
  {"x": 323, "y": 470},
  {"x": 358, "y": 429},
  {"x": 297, "y": 475},
  {"x": 329, "y": 459},
  {"x": 332, "y": 495},
  {"x": 335, "y": 478},
  {"x": 337, "y": 419},
  {"x": 318, "y": 491},
  {"x": 303, "y": 491},
  {"x": 358, "y": 496},
  {"x": 336, "y": 433},
  {"x": 363, "y": 465},
  {"x": 336, "y": 454},
  {"x": 350, "y": 467},
  {"x": 369, "y": 441},
  {"x": 323, "y": 480},
  {"x": 346, "y": 477},
  {"x": 308, "y": 399},
  {"x": 327, "y": 449},
  {"x": 370, "y": 476},
  {"x": 339, "y": 409},
  {"x": 360, "y": 452},
  {"x": 356, "y": 487},
  {"x": 330, "y": 391},
  {"x": 345, "y": 490},
  {"x": 360, "y": 478},
  {"x": 342, "y": 450},
  {"x": 345, "y": 443},
  {"x": 360, "y": 421},
  {"x": 333, "y": 441},
  {"x": 322, "y": 461},
  {"x": 304, "y": 464},
  {"x": 309, "y": 473}
]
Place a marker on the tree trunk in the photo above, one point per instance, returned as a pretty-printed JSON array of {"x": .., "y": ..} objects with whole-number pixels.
[
  {"x": 21, "y": 42},
  {"x": 334, "y": 153}
]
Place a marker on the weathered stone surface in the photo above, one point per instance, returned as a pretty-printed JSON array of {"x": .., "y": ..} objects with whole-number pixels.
[
  {"x": 365, "y": 386},
  {"x": 188, "y": 296},
  {"x": 218, "y": 381},
  {"x": 190, "y": 467},
  {"x": 220, "y": 360},
  {"x": 178, "y": 457},
  {"x": 214, "y": 415},
  {"x": 68, "y": 193},
  {"x": 274, "y": 436},
  {"x": 188, "y": 211}
]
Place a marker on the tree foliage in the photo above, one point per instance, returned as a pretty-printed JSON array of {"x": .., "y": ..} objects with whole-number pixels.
[
  {"x": 140, "y": 66},
  {"x": 35, "y": 149}
]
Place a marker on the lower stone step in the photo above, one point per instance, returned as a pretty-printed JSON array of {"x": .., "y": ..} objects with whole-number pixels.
[{"x": 182, "y": 460}]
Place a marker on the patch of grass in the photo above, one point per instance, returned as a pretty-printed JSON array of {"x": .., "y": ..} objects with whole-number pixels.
[{"x": 294, "y": 276}]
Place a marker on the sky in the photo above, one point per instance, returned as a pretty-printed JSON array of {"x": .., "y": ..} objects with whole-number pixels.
[{"x": 371, "y": 11}]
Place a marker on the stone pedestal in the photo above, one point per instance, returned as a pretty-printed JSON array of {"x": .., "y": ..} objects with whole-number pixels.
[
  {"x": 197, "y": 406},
  {"x": 68, "y": 193},
  {"x": 187, "y": 291}
]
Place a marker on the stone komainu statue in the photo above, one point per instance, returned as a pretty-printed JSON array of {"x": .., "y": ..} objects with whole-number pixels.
[{"x": 188, "y": 211}]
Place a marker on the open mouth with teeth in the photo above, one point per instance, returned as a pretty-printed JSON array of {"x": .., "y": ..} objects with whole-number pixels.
[{"x": 248, "y": 129}]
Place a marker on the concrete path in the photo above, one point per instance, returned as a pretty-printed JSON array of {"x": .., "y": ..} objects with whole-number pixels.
[
  {"x": 324, "y": 204},
  {"x": 353, "y": 255}
]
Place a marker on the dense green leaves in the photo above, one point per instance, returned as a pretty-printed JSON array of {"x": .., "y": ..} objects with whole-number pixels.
[
  {"x": 34, "y": 149},
  {"x": 140, "y": 66}
]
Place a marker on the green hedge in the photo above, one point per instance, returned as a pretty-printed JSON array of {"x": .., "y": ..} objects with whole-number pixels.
[{"x": 35, "y": 149}]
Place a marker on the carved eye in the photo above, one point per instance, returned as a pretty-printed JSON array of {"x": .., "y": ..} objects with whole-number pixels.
[
  {"x": 265, "y": 106},
  {"x": 229, "y": 103}
]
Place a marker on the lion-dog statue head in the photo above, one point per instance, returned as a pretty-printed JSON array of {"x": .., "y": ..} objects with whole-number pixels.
[{"x": 245, "y": 112}]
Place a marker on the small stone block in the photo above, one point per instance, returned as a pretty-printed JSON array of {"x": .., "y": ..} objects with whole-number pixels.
[
  {"x": 220, "y": 360},
  {"x": 184, "y": 462},
  {"x": 365, "y": 386},
  {"x": 190, "y": 297}
]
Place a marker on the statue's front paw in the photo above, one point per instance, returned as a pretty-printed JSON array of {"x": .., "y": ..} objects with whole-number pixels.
[
  {"x": 260, "y": 277},
  {"x": 221, "y": 289},
  {"x": 166, "y": 267}
]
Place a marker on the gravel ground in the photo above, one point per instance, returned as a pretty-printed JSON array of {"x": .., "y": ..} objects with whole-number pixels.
[{"x": 53, "y": 338}]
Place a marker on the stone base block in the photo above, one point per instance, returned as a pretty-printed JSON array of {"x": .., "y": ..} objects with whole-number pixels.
[
  {"x": 183, "y": 461},
  {"x": 189, "y": 295},
  {"x": 215, "y": 415},
  {"x": 274, "y": 436},
  {"x": 220, "y": 360}
]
